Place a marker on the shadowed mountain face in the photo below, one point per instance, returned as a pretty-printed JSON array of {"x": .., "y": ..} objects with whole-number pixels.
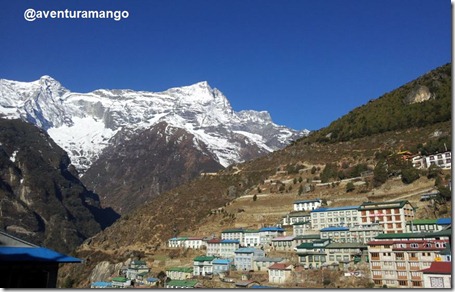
[
  {"x": 139, "y": 167},
  {"x": 41, "y": 197}
]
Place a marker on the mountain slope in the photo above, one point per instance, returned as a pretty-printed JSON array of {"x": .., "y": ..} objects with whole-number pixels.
[
  {"x": 146, "y": 164},
  {"x": 41, "y": 198},
  {"x": 83, "y": 124},
  {"x": 185, "y": 208},
  {"x": 421, "y": 102}
]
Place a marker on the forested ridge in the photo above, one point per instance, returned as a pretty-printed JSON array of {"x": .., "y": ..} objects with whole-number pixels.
[{"x": 393, "y": 111}]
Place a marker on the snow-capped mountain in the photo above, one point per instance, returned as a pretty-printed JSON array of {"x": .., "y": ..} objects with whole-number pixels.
[{"x": 84, "y": 123}]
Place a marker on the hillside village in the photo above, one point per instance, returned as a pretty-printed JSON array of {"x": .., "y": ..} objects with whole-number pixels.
[{"x": 380, "y": 243}]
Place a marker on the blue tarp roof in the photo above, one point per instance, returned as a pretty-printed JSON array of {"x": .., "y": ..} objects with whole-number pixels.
[
  {"x": 230, "y": 241},
  {"x": 444, "y": 221},
  {"x": 222, "y": 261},
  {"x": 246, "y": 250},
  {"x": 336, "y": 209},
  {"x": 102, "y": 284},
  {"x": 34, "y": 254},
  {"x": 152, "y": 279},
  {"x": 335, "y": 228},
  {"x": 271, "y": 229}
]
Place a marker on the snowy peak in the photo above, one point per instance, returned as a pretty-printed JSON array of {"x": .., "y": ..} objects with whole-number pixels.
[
  {"x": 85, "y": 123},
  {"x": 255, "y": 116}
]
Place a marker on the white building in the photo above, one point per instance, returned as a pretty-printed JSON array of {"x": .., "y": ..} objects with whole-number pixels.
[
  {"x": 443, "y": 160},
  {"x": 194, "y": 242},
  {"x": 296, "y": 216},
  {"x": 251, "y": 238},
  {"x": 307, "y": 205},
  {"x": 301, "y": 228},
  {"x": 233, "y": 234},
  {"x": 244, "y": 258},
  {"x": 266, "y": 234},
  {"x": 203, "y": 265},
  {"x": 280, "y": 273},
  {"x": 339, "y": 216}
]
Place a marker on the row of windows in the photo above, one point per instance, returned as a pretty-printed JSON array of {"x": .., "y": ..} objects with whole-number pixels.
[
  {"x": 399, "y": 255},
  {"x": 335, "y": 213},
  {"x": 386, "y": 211},
  {"x": 417, "y": 245}
]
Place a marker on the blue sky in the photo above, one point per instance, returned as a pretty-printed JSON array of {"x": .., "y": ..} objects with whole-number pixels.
[{"x": 306, "y": 62}]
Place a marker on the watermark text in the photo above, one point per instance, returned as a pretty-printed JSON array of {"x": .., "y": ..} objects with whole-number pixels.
[{"x": 117, "y": 15}]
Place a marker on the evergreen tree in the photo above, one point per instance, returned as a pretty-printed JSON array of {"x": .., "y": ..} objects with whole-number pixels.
[{"x": 380, "y": 174}]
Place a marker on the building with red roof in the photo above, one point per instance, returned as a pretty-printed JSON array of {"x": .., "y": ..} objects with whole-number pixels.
[
  {"x": 398, "y": 259},
  {"x": 438, "y": 275},
  {"x": 280, "y": 273}
]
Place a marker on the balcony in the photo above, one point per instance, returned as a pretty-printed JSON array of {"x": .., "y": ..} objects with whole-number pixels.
[{"x": 375, "y": 258}]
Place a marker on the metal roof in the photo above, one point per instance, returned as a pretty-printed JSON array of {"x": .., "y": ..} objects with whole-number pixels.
[
  {"x": 102, "y": 284},
  {"x": 221, "y": 262},
  {"x": 271, "y": 229},
  {"x": 439, "y": 268},
  {"x": 335, "y": 209},
  {"x": 307, "y": 201},
  {"x": 444, "y": 221},
  {"x": 334, "y": 228},
  {"x": 246, "y": 250},
  {"x": 34, "y": 254}
]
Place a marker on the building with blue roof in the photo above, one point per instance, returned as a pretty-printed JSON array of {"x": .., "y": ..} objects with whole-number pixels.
[
  {"x": 221, "y": 265},
  {"x": 25, "y": 265},
  {"x": 338, "y": 216},
  {"x": 274, "y": 228},
  {"x": 151, "y": 281},
  {"x": 334, "y": 228},
  {"x": 444, "y": 221},
  {"x": 336, "y": 209},
  {"x": 266, "y": 234},
  {"x": 427, "y": 225},
  {"x": 244, "y": 258},
  {"x": 101, "y": 285}
]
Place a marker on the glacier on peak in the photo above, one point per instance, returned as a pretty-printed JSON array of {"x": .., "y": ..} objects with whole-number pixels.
[{"x": 84, "y": 123}]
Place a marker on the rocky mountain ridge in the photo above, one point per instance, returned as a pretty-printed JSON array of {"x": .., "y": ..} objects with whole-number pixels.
[
  {"x": 41, "y": 197},
  {"x": 84, "y": 124}
]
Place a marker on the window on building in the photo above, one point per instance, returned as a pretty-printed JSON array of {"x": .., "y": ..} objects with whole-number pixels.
[
  {"x": 374, "y": 254},
  {"x": 436, "y": 282},
  {"x": 402, "y": 283},
  {"x": 416, "y": 284}
]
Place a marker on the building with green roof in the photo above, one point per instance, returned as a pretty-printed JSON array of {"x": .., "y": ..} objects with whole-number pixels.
[
  {"x": 179, "y": 273},
  {"x": 182, "y": 284},
  {"x": 203, "y": 265},
  {"x": 120, "y": 282}
]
